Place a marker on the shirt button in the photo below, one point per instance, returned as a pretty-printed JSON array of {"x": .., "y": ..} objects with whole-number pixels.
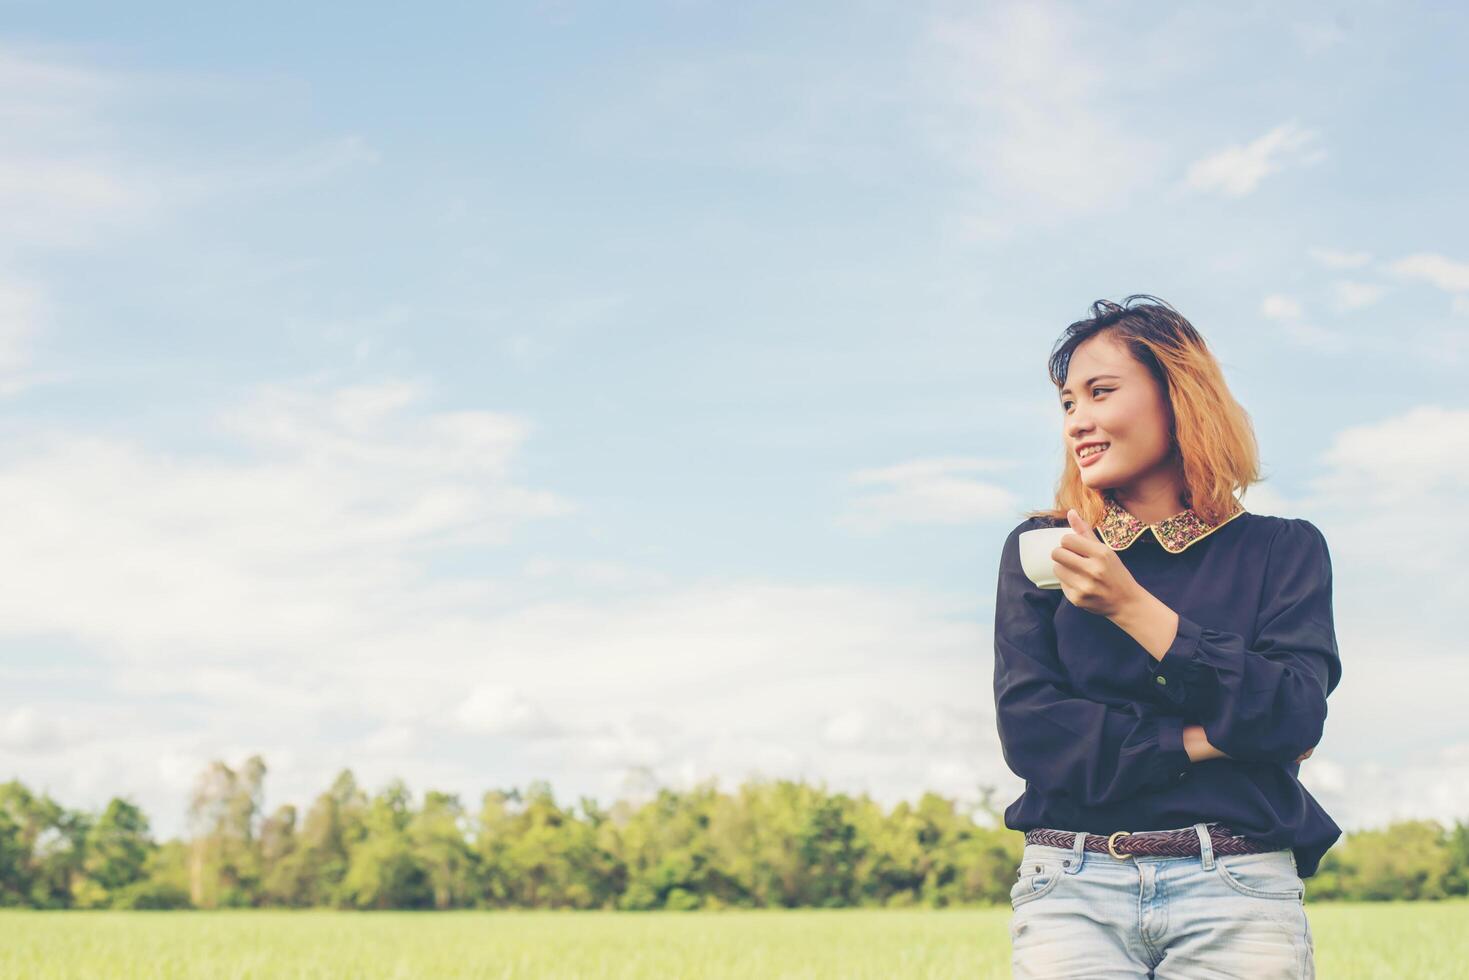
[{"x": 1161, "y": 679}]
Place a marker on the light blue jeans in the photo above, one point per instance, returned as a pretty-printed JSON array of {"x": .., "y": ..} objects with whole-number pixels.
[{"x": 1207, "y": 916}]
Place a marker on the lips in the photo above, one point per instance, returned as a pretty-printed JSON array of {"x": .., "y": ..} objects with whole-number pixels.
[{"x": 1089, "y": 460}]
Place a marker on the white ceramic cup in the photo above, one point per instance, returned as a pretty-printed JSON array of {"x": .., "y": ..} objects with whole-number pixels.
[{"x": 1036, "y": 546}]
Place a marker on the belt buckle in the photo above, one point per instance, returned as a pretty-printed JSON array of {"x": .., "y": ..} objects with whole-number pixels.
[{"x": 1112, "y": 840}]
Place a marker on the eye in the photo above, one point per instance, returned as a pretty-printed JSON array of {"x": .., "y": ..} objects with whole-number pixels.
[{"x": 1094, "y": 390}]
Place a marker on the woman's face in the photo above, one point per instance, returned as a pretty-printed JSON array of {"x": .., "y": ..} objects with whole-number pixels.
[{"x": 1110, "y": 398}]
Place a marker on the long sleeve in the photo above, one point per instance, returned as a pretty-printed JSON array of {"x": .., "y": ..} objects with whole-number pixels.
[
  {"x": 1055, "y": 740},
  {"x": 1264, "y": 700}
]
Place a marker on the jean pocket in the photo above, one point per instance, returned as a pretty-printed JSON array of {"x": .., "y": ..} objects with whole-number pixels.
[
  {"x": 1036, "y": 879},
  {"x": 1271, "y": 874}
]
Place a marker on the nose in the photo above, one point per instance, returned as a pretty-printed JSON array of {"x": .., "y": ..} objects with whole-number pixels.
[{"x": 1077, "y": 427}]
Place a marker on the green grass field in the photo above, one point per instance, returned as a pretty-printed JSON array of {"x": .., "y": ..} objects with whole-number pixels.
[{"x": 1419, "y": 940}]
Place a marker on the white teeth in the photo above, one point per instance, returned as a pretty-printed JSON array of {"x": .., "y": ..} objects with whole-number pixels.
[{"x": 1093, "y": 450}]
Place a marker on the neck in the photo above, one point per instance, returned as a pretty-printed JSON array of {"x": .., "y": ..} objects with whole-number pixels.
[{"x": 1151, "y": 501}]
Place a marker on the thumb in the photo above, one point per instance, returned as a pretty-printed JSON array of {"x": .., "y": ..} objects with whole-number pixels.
[{"x": 1078, "y": 523}]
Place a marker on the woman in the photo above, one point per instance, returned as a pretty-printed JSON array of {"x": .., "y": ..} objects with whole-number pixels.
[{"x": 1159, "y": 703}]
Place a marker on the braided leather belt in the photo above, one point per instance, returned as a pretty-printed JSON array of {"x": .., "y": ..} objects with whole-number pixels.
[{"x": 1163, "y": 843}]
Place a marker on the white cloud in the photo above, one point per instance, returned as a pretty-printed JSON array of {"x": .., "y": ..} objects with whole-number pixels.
[
  {"x": 882, "y": 726},
  {"x": 22, "y": 308},
  {"x": 1288, "y": 312},
  {"x": 396, "y": 739},
  {"x": 1236, "y": 170},
  {"x": 1336, "y": 259},
  {"x": 1438, "y": 270},
  {"x": 1385, "y": 494},
  {"x": 494, "y": 709},
  {"x": 1023, "y": 101},
  {"x": 1319, "y": 36},
  {"x": 1399, "y": 465},
  {"x": 802, "y": 118},
  {"x": 318, "y": 532},
  {"x": 63, "y": 176},
  {"x": 283, "y": 596},
  {"x": 1373, "y": 793},
  {"x": 927, "y": 491},
  {"x": 1348, "y": 295},
  {"x": 1278, "y": 307},
  {"x": 268, "y": 170},
  {"x": 73, "y": 166},
  {"x": 619, "y": 745},
  {"x": 595, "y": 572},
  {"x": 32, "y": 728},
  {"x": 1313, "y": 336}
]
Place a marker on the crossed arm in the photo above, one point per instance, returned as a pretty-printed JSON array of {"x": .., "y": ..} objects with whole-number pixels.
[
  {"x": 1155, "y": 627},
  {"x": 1196, "y": 744}
]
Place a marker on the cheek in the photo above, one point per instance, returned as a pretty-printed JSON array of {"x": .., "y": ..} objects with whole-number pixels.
[
  {"x": 1134, "y": 425},
  {"x": 1119, "y": 425}
]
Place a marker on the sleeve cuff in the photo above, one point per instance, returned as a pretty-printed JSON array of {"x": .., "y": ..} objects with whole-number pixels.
[
  {"x": 1173, "y": 760},
  {"x": 1171, "y": 676}
]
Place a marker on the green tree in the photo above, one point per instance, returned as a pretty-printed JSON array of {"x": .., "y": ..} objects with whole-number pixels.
[
  {"x": 41, "y": 848},
  {"x": 223, "y": 812},
  {"x": 335, "y": 824},
  {"x": 1406, "y": 860},
  {"x": 116, "y": 854},
  {"x": 287, "y": 874},
  {"x": 382, "y": 871},
  {"x": 830, "y": 847},
  {"x": 439, "y": 845}
]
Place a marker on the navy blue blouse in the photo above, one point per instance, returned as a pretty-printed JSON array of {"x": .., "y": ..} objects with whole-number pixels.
[{"x": 1094, "y": 724}]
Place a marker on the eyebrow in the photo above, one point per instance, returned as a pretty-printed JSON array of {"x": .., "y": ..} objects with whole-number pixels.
[{"x": 1092, "y": 381}]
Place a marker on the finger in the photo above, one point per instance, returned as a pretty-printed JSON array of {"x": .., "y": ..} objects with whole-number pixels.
[
  {"x": 1082, "y": 539},
  {"x": 1074, "y": 543},
  {"x": 1069, "y": 559}
]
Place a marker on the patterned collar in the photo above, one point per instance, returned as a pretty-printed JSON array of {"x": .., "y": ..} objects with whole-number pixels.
[{"x": 1120, "y": 529}]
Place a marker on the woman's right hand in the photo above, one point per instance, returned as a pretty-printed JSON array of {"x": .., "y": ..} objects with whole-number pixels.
[{"x": 1196, "y": 744}]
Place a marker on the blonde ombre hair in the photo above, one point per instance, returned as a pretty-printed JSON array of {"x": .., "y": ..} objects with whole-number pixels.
[{"x": 1211, "y": 432}]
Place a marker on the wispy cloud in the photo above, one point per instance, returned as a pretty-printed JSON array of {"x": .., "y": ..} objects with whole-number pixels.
[
  {"x": 1369, "y": 480},
  {"x": 1023, "y": 103},
  {"x": 1289, "y": 313},
  {"x": 301, "y": 571},
  {"x": 1337, "y": 259},
  {"x": 65, "y": 174},
  {"x": 1348, "y": 295},
  {"x": 314, "y": 527},
  {"x": 927, "y": 491},
  {"x": 495, "y": 709},
  {"x": 1438, "y": 270},
  {"x": 265, "y": 171},
  {"x": 1322, "y": 35},
  {"x": 38, "y": 728},
  {"x": 1237, "y": 170},
  {"x": 1279, "y": 307},
  {"x": 21, "y": 309}
]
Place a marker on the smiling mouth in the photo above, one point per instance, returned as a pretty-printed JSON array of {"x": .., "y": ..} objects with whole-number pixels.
[{"x": 1092, "y": 456}]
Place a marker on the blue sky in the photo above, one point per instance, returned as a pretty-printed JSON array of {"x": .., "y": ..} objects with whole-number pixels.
[{"x": 482, "y": 394}]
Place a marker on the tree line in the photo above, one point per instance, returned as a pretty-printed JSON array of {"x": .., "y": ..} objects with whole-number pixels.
[{"x": 767, "y": 844}]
